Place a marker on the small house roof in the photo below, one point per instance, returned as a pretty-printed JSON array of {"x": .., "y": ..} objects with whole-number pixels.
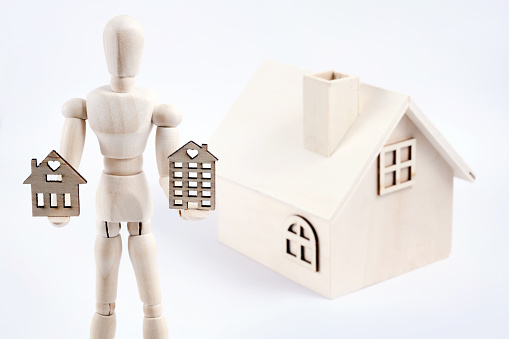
[
  {"x": 202, "y": 155},
  {"x": 66, "y": 169},
  {"x": 261, "y": 142}
]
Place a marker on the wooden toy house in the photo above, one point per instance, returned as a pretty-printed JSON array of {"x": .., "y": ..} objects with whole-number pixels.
[
  {"x": 192, "y": 178},
  {"x": 55, "y": 187},
  {"x": 333, "y": 183}
]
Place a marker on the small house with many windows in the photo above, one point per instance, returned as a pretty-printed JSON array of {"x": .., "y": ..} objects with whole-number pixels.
[
  {"x": 55, "y": 187},
  {"x": 192, "y": 178},
  {"x": 334, "y": 183}
]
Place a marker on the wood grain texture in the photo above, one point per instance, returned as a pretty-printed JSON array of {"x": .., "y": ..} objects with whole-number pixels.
[
  {"x": 108, "y": 252},
  {"x": 121, "y": 121},
  {"x": 254, "y": 224},
  {"x": 50, "y": 181},
  {"x": 330, "y": 106},
  {"x": 103, "y": 327},
  {"x": 72, "y": 140},
  {"x": 166, "y": 115},
  {"x": 123, "y": 167},
  {"x": 363, "y": 237},
  {"x": 123, "y": 198},
  {"x": 123, "y": 41},
  {"x": 143, "y": 254},
  {"x": 155, "y": 328},
  {"x": 378, "y": 237},
  {"x": 167, "y": 142},
  {"x": 75, "y": 108},
  {"x": 192, "y": 178}
]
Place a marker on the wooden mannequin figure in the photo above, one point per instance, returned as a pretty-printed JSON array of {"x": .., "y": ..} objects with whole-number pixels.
[{"x": 121, "y": 115}]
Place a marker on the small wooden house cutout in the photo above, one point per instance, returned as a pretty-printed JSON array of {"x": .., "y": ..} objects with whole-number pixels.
[
  {"x": 192, "y": 178},
  {"x": 55, "y": 187},
  {"x": 333, "y": 183}
]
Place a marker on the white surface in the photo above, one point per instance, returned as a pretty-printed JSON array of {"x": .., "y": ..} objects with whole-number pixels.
[{"x": 450, "y": 57}]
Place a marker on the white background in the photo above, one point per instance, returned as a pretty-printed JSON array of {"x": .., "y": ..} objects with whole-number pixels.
[{"x": 451, "y": 56}]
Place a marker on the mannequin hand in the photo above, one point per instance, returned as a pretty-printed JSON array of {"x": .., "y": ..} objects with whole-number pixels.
[
  {"x": 59, "y": 221},
  {"x": 164, "y": 182},
  {"x": 193, "y": 214}
]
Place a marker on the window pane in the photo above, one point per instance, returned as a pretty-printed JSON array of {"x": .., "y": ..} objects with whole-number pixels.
[
  {"x": 406, "y": 174},
  {"x": 40, "y": 199},
  {"x": 67, "y": 200},
  {"x": 53, "y": 199},
  {"x": 390, "y": 158},
  {"x": 406, "y": 153},
  {"x": 390, "y": 179},
  {"x": 53, "y": 177}
]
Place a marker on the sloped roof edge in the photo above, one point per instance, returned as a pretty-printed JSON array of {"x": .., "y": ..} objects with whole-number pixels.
[
  {"x": 460, "y": 167},
  {"x": 58, "y": 156}
]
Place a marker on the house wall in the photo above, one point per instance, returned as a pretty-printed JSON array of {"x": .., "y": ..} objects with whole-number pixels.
[
  {"x": 378, "y": 237},
  {"x": 60, "y": 189},
  {"x": 253, "y": 224}
]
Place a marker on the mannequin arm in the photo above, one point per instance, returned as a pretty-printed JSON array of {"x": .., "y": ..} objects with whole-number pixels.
[
  {"x": 72, "y": 141},
  {"x": 167, "y": 118}
]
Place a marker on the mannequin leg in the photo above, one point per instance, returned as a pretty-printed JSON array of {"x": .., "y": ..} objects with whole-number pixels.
[
  {"x": 108, "y": 250},
  {"x": 143, "y": 254}
]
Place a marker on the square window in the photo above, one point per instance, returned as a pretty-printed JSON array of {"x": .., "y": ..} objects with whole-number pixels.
[
  {"x": 177, "y": 174},
  {"x": 396, "y": 165},
  {"x": 205, "y": 203},
  {"x": 406, "y": 174},
  {"x": 178, "y": 193},
  {"x": 193, "y": 184},
  {"x": 193, "y": 175},
  {"x": 193, "y": 165},
  {"x": 206, "y": 165},
  {"x": 193, "y": 193},
  {"x": 177, "y": 165},
  {"x": 177, "y": 184},
  {"x": 406, "y": 153},
  {"x": 177, "y": 202},
  {"x": 206, "y": 185},
  {"x": 390, "y": 179},
  {"x": 206, "y": 175},
  {"x": 390, "y": 158},
  {"x": 192, "y": 205},
  {"x": 205, "y": 194}
]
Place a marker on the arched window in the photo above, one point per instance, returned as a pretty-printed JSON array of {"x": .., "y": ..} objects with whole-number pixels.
[{"x": 300, "y": 242}]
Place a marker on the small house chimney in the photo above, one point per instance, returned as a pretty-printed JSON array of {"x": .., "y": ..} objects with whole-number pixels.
[
  {"x": 34, "y": 165},
  {"x": 330, "y": 106}
]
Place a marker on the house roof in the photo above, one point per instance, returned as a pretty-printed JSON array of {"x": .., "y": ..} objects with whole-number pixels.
[
  {"x": 260, "y": 142},
  {"x": 202, "y": 155},
  {"x": 63, "y": 168}
]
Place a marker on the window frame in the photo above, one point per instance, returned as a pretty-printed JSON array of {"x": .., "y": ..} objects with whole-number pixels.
[
  {"x": 397, "y": 166},
  {"x": 304, "y": 240}
]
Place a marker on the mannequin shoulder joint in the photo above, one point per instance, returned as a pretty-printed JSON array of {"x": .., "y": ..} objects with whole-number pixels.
[
  {"x": 166, "y": 115},
  {"x": 75, "y": 108}
]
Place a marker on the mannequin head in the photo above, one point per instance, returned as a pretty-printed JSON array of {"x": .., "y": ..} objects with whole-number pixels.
[{"x": 123, "y": 47}]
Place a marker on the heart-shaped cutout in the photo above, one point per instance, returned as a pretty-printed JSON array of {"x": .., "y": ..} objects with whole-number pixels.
[
  {"x": 192, "y": 153},
  {"x": 54, "y": 165}
]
